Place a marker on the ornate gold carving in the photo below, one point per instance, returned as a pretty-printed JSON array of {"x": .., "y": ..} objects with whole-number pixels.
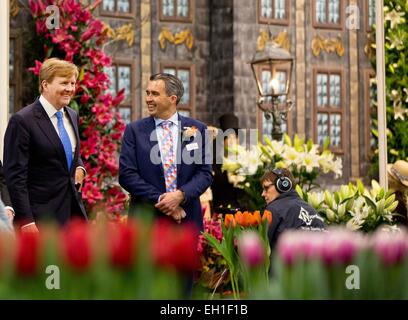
[
  {"x": 281, "y": 40},
  {"x": 184, "y": 36},
  {"x": 125, "y": 32},
  {"x": 14, "y": 8},
  {"x": 328, "y": 45}
]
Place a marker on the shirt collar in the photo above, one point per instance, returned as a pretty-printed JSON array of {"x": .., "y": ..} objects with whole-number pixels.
[
  {"x": 48, "y": 107},
  {"x": 173, "y": 119}
]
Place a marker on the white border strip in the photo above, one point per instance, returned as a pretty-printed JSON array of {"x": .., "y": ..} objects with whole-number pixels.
[
  {"x": 382, "y": 115},
  {"x": 4, "y": 70}
]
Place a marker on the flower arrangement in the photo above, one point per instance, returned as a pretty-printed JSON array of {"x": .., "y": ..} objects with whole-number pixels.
[
  {"x": 245, "y": 247},
  {"x": 213, "y": 272},
  {"x": 305, "y": 161},
  {"x": 354, "y": 206},
  {"x": 79, "y": 39}
]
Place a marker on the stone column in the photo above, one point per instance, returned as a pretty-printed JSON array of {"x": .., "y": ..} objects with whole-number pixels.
[
  {"x": 145, "y": 52},
  {"x": 299, "y": 80},
  {"x": 354, "y": 101},
  {"x": 4, "y": 69}
]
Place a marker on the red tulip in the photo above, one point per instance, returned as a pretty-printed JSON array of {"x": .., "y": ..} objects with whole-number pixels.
[
  {"x": 175, "y": 246},
  {"x": 28, "y": 253},
  {"x": 122, "y": 244},
  {"x": 76, "y": 243}
]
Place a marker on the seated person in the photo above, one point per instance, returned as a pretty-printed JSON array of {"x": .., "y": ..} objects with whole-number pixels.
[
  {"x": 289, "y": 211},
  {"x": 398, "y": 182}
]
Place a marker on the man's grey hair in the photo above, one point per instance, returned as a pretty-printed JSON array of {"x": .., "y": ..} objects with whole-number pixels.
[{"x": 172, "y": 84}]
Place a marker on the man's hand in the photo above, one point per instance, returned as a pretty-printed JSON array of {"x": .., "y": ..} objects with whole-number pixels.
[
  {"x": 79, "y": 177},
  {"x": 178, "y": 214},
  {"x": 10, "y": 215},
  {"x": 170, "y": 201},
  {"x": 30, "y": 228}
]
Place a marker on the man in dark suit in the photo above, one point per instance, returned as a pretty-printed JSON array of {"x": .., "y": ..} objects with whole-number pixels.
[
  {"x": 165, "y": 161},
  {"x": 42, "y": 164}
]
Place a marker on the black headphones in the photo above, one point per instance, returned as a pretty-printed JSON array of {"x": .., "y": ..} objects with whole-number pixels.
[{"x": 282, "y": 183}]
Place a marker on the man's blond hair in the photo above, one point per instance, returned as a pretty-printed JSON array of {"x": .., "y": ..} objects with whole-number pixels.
[{"x": 55, "y": 67}]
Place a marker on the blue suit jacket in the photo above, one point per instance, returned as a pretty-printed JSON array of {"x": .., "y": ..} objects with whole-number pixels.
[{"x": 141, "y": 170}]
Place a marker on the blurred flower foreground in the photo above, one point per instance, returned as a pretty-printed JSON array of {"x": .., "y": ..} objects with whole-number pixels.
[
  {"x": 337, "y": 264},
  {"x": 126, "y": 260}
]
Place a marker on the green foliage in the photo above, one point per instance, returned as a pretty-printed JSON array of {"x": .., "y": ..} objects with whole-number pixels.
[{"x": 396, "y": 78}]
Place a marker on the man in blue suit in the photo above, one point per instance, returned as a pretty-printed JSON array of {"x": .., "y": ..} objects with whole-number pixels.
[
  {"x": 42, "y": 163},
  {"x": 165, "y": 162}
]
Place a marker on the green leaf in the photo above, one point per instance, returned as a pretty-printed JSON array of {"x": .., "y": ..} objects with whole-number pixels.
[
  {"x": 287, "y": 140},
  {"x": 360, "y": 187},
  {"x": 370, "y": 202},
  {"x": 300, "y": 192},
  {"x": 337, "y": 197},
  {"x": 380, "y": 194},
  {"x": 74, "y": 105},
  {"x": 392, "y": 207},
  {"x": 309, "y": 144},
  {"x": 298, "y": 143},
  {"x": 389, "y": 200},
  {"x": 81, "y": 77},
  {"x": 49, "y": 52},
  {"x": 328, "y": 198}
]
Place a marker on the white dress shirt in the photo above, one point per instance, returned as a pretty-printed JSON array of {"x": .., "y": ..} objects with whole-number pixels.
[{"x": 51, "y": 112}]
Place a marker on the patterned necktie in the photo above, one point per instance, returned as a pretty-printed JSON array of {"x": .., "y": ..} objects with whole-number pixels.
[
  {"x": 63, "y": 134},
  {"x": 168, "y": 156}
]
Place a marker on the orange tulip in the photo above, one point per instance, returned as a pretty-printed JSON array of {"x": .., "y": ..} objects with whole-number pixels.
[
  {"x": 256, "y": 218},
  {"x": 229, "y": 219},
  {"x": 247, "y": 219},
  {"x": 268, "y": 216},
  {"x": 239, "y": 218}
]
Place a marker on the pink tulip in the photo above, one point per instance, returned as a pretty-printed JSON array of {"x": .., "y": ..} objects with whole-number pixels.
[
  {"x": 390, "y": 247},
  {"x": 305, "y": 245},
  {"x": 251, "y": 249},
  {"x": 341, "y": 246}
]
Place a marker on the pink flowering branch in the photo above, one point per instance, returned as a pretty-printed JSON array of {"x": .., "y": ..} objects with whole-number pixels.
[{"x": 80, "y": 39}]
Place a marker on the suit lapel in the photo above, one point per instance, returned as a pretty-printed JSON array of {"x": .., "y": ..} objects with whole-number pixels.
[
  {"x": 182, "y": 143},
  {"x": 150, "y": 129},
  {"x": 181, "y": 129},
  {"x": 46, "y": 126}
]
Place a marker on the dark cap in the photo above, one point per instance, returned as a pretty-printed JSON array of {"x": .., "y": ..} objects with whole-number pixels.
[{"x": 229, "y": 121}]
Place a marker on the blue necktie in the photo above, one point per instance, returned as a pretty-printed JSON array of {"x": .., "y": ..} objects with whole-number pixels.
[{"x": 63, "y": 134}]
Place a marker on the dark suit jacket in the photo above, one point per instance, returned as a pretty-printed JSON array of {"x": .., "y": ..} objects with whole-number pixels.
[
  {"x": 36, "y": 171},
  {"x": 4, "y": 194},
  {"x": 143, "y": 176}
]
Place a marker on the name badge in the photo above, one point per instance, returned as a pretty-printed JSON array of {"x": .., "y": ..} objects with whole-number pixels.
[{"x": 192, "y": 146}]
